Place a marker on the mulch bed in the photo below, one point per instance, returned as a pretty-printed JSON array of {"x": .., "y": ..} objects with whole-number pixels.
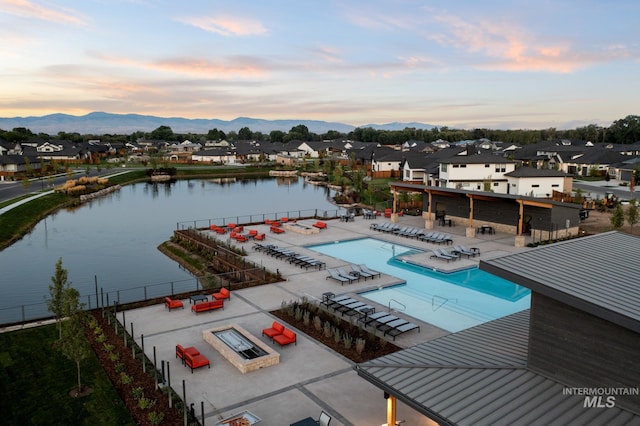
[{"x": 141, "y": 379}]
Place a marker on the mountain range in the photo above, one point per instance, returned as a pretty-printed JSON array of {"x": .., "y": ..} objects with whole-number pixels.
[{"x": 99, "y": 123}]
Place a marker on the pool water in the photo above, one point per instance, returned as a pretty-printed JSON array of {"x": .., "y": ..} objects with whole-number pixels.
[{"x": 453, "y": 301}]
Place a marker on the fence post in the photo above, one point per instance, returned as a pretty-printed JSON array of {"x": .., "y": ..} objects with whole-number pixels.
[
  {"x": 95, "y": 280},
  {"x": 155, "y": 368},
  {"x": 169, "y": 384},
  {"x": 184, "y": 400},
  {"x": 144, "y": 363},
  {"x": 133, "y": 342},
  {"x": 202, "y": 412}
]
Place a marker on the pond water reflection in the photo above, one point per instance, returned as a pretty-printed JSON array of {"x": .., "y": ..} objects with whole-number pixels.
[{"x": 113, "y": 240}]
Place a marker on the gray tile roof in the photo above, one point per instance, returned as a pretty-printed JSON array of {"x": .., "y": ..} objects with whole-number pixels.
[
  {"x": 595, "y": 274},
  {"x": 479, "y": 377}
]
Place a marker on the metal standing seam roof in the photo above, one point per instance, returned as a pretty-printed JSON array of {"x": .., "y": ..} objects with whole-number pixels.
[
  {"x": 479, "y": 377},
  {"x": 597, "y": 274}
]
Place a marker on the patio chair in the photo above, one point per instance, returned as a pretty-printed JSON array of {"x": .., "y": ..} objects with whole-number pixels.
[
  {"x": 349, "y": 275},
  {"x": 463, "y": 251},
  {"x": 386, "y": 326},
  {"x": 473, "y": 250},
  {"x": 364, "y": 268},
  {"x": 358, "y": 271},
  {"x": 336, "y": 276},
  {"x": 450, "y": 253},
  {"x": 437, "y": 254},
  {"x": 396, "y": 331}
]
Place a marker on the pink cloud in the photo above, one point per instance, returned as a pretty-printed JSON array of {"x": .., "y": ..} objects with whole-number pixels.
[
  {"x": 227, "y": 26},
  {"x": 27, "y": 9}
]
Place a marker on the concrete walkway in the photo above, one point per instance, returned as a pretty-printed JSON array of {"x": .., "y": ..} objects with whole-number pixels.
[{"x": 310, "y": 377}]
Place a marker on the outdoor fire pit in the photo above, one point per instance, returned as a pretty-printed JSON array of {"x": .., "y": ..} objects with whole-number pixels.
[{"x": 243, "y": 350}]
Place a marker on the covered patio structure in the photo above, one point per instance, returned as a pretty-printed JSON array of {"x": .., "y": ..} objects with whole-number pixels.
[{"x": 512, "y": 214}]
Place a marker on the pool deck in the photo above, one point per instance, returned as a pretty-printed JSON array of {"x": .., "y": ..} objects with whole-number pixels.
[{"x": 309, "y": 377}]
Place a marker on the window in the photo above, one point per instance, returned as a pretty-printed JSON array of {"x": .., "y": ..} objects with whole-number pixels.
[
  {"x": 455, "y": 166},
  {"x": 535, "y": 186},
  {"x": 443, "y": 167},
  {"x": 496, "y": 183},
  {"x": 555, "y": 185},
  {"x": 501, "y": 168},
  {"x": 487, "y": 165}
]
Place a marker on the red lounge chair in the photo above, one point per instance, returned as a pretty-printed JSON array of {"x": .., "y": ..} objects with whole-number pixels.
[
  {"x": 285, "y": 338},
  {"x": 253, "y": 232},
  {"x": 259, "y": 237},
  {"x": 172, "y": 304},
  {"x": 320, "y": 225},
  {"x": 275, "y": 330},
  {"x": 180, "y": 351},
  {"x": 196, "y": 361},
  {"x": 222, "y": 294},
  {"x": 276, "y": 230},
  {"x": 207, "y": 306},
  {"x": 241, "y": 239}
]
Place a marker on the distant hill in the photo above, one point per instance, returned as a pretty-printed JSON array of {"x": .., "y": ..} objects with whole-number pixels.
[{"x": 100, "y": 123}]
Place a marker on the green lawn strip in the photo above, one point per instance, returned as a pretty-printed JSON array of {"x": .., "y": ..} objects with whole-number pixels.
[
  {"x": 19, "y": 220},
  {"x": 35, "y": 381}
]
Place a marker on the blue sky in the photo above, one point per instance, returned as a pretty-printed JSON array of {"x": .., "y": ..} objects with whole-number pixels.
[{"x": 464, "y": 64}]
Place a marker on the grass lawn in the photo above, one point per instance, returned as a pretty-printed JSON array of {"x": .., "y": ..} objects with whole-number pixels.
[{"x": 35, "y": 381}]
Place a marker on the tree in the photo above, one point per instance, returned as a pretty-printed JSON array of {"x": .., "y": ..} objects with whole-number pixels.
[
  {"x": 632, "y": 215},
  {"x": 617, "y": 219},
  {"x": 73, "y": 344},
  {"x": 245, "y": 134},
  {"x": 57, "y": 291},
  {"x": 625, "y": 130},
  {"x": 163, "y": 133},
  {"x": 276, "y": 136},
  {"x": 213, "y": 135}
]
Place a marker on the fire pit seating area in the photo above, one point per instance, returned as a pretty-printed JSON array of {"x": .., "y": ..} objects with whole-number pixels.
[
  {"x": 207, "y": 306},
  {"x": 172, "y": 303},
  {"x": 222, "y": 294}
]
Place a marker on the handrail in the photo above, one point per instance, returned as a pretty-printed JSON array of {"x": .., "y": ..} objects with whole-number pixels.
[
  {"x": 404, "y": 307},
  {"x": 444, "y": 301}
]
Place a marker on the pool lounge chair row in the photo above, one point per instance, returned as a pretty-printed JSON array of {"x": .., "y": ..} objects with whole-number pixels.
[
  {"x": 289, "y": 256},
  {"x": 421, "y": 234},
  {"x": 348, "y": 306},
  {"x": 388, "y": 324}
]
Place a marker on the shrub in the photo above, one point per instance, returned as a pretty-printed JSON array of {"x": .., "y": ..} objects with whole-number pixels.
[
  {"x": 298, "y": 314},
  {"x": 137, "y": 392},
  {"x": 327, "y": 329},
  {"x": 101, "y": 338},
  {"x": 360, "y": 344},
  {"x": 306, "y": 318},
  {"x": 114, "y": 356},
  {"x": 347, "y": 340},
  {"x": 317, "y": 323},
  {"x": 337, "y": 334},
  {"x": 119, "y": 367},
  {"x": 145, "y": 403},
  {"x": 125, "y": 378},
  {"x": 108, "y": 347},
  {"x": 156, "y": 418}
]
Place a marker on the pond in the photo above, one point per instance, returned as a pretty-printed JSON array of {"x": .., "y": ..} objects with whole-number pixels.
[{"x": 109, "y": 245}]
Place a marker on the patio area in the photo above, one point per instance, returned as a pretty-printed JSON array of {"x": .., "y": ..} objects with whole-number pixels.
[{"x": 309, "y": 377}]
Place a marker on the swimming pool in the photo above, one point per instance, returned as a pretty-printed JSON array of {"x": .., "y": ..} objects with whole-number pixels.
[{"x": 453, "y": 301}]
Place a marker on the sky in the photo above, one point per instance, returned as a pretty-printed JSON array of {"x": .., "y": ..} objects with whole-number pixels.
[{"x": 462, "y": 64}]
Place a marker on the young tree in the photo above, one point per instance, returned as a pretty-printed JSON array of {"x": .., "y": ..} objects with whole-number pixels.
[
  {"x": 57, "y": 291},
  {"x": 74, "y": 345},
  {"x": 632, "y": 215},
  {"x": 617, "y": 219}
]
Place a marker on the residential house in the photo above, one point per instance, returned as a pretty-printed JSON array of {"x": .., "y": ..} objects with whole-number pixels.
[
  {"x": 478, "y": 172},
  {"x": 537, "y": 182}
]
